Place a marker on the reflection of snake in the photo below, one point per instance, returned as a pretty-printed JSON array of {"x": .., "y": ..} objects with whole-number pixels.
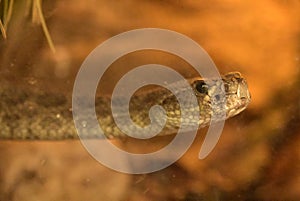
[{"x": 26, "y": 114}]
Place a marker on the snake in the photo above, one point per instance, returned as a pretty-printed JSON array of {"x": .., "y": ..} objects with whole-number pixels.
[{"x": 41, "y": 115}]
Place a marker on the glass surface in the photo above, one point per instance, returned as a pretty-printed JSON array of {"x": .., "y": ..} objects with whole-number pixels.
[{"x": 257, "y": 156}]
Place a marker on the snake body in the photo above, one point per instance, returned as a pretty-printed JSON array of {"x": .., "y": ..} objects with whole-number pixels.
[{"x": 38, "y": 115}]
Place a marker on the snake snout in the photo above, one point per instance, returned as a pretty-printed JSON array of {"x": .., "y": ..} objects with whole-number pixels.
[{"x": 243, "y": 92}]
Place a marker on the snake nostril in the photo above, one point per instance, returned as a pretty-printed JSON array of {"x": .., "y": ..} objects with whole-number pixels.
[{"x": 217, "y": 97}]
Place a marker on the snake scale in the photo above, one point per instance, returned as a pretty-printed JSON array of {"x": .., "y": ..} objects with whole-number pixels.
[{"x": 39, "y": 115}]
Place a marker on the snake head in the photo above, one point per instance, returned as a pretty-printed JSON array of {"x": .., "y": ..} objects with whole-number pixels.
[{"x": 229, "y": 95}]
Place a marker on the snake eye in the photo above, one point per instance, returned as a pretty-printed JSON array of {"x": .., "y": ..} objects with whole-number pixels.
[{"x": 201, "y": 87}]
